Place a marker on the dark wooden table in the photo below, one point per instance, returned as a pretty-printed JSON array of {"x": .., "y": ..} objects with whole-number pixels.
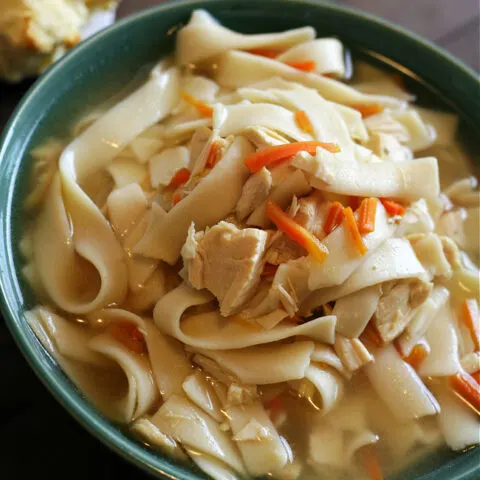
[{"x": 38, "y": 439}]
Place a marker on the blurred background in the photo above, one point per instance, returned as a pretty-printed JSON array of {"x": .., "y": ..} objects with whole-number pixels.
[{"x": 37, "y": 437}]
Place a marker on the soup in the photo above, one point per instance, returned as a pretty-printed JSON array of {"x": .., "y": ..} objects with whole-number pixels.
[{"x": 253, "y": 263}]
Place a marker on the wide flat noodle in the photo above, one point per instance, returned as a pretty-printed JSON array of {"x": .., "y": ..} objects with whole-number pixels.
[
  {"x": 355, "y": 310},
  {"x": 265, "y": 364},
  {"x": 211, "y": 466},
  {"x": 393, "y": 260},
  {"x": 274, "y": 117},
  {"x": 70, "y": 339},
  {"x": 399, "y": 386},
  {"x": 190, "y": 426},
  {"x": 327, "y": 53},
  {"x": 203, "y": 37},
  {"x": 443, "y": 359},
  {"x": 200, "y": 391},
  {"x": 212, "y": 200},
  {"x": 142, "y": 391},
  {"x": 257, "y": 439},
  {"x": 327, "y": 122},
  {"x": 404, "y": 180},
  {"x": 329, "y": 385},
  {"x": 343, "y": 257},
  {"x": 239, "y": 69},
  {"x": 458, "y": 423},
  {"x": 85, "y": 232},
  {"x": 212, "y": 331}
]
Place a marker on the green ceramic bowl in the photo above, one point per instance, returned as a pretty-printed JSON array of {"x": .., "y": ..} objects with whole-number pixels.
[{"x": 99, "y": 68}]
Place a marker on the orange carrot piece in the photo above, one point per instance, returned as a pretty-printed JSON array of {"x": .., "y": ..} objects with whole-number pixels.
[
  {"x": 393, "y": 208},
  {"x": 202, "y": 108},
  {"x": 371, "y": 333},
  {"x": 264, "y": 52},
  {"x": 471, "y": 319},
  {"x": 269, "y": 270},
  {"x": 212, "y": 157},
  {"x": 177, "y": 196},
  {"x": 335, "y": 217},
  {"x": 266, "y": 156},
  {"x": 467, "y": 388},
  {"x": 367, "y": 110},
  {"x": 476, "y": 376},
  {"x": 130, "y": 336},
  {"x": 352, "y": 227},
  {"x": 180, "y": 177},
  {"x": 306, "y": 66},
  {"x": 303, "y": 121},
  {"x": 371, "y": 462},
  {"x": 296, "y": 232},
  {"x": 418, "y": 354},
  {"x": 366, "y": 215}
]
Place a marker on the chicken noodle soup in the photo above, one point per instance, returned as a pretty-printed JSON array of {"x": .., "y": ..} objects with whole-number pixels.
[{"x": 251, "y": 262}]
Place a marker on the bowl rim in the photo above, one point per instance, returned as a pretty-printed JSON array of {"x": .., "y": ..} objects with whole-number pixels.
[{"x": 86, "y": 414}]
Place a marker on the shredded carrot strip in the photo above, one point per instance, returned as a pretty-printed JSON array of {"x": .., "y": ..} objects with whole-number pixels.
[
  {"x": 328, "y": 75},
  {"x": 130, "y": 336},
  {"x": 392, "y": 208},
  {"x": 177, "y": 196},
  {"x": 180, "y": 177},
  {"x": 354, "y": 233},
  {"x": 296, "y": 232},
  {"x": 303, "y": 121},
  {"x": 471, "y": 319},
  {"x": 418, "y": 354},
  {"x": 366, "y": 215},
  {"x": 202, "y": 108},
  {"x": 269, "y": 270},
  {"x": 367, "y": 110},
  {"x": 371, "y": 462},
  {"x": 476, "y": 376},
  {"x": 307, "y": 66},
  {"x": 371, "y": 333},
  {"x": 264, "y": 52},
  {"x": 467, "y": 388},
  {"x": 268, "y": 155},
  {"x": 335, "y": 217},
  {"x": 212, "y": 157}
]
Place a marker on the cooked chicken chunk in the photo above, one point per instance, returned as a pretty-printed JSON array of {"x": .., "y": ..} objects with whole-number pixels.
[
  {"x": 255, "y": 191},
  {"x": 263, "y": 137},
  {"x": 225, "y": 260},
  {"x": 351, "y": 352},
  {"x": 394, "y": 310}
]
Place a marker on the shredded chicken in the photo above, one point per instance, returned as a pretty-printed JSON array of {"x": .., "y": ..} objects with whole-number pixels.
[
  {"x": 309, "y": 212},
  {"x": 225, "y": 260},
  {"x": 394, "y": 310},
  {"x": 263, "y": 137},
  {"x": 254, "y": 193},
  {"x": 351, "y": 352}
]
